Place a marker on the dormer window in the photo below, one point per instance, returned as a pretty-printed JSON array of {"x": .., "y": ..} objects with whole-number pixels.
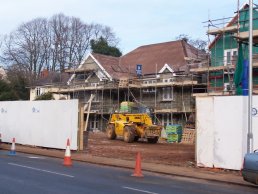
[
  {"x": 80, "y": 76},
  {"x": 166, "y": 69}
]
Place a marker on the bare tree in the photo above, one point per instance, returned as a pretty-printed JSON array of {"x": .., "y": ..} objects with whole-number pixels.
[
  {"x": 197, "y": 43},
  {"x": 78, "y": 43},
  {"x": 71, "y": 40},
  {"x": 55, "y": 44},
  {"x": 26, "y": 46},
  {"x": 200, "y": 44},
  {"x": 106, "y": 33},
  {"x": 59, "y": 25},
  {"x": 83, "y": 41}
]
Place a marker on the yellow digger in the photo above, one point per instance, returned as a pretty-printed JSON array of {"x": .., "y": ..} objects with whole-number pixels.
[{"x": 133, "y": 123}]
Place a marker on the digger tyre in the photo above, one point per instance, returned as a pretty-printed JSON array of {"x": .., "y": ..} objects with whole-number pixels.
[
  {"x": 128, "y": 134},
  {"x": 111, "y": 134}
]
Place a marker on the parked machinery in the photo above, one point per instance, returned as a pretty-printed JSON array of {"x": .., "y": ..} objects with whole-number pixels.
[{"x": 133, "y": 123}]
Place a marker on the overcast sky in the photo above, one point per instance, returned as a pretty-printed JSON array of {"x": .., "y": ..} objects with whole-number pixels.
[{"x": 135, "y": 22}]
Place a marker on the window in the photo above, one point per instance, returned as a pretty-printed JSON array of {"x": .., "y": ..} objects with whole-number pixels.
[
  {"x": 226, "y": 87},
  {"x": 96, "y": 97},
  {"x": 80, "y": 76},
  {"x": 94, "y": 123},
  {"x": 38, "y": 91},
  {"x": 230, "y": 56},
  {"x": 148, "y": 90},
  {"x": 167, "y": 93},
  {"x": 149, "y": 82},
  {"x": 168, "y": 80},
  {"x": 94, "y": 84},
  {"x": 234, "y": 53}
]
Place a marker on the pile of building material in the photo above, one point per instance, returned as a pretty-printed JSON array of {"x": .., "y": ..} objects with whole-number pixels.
[
  {"x": 189, "y": 131},
  {"x": 174, "y": 133},
  {"x": 127, "y": 107},
  {"x": 189, "y": 134},
  {"x": 123, "y": 82}
]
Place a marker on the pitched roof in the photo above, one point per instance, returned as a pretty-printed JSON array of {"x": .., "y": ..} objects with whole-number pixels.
[
  {"x": 152, "y": 58},
  {"x": 111, "y": 65},
  {"x": 230, "y": 23},
  {"x": 157, "y": 55},
  {"x": 52, "y": 78}
]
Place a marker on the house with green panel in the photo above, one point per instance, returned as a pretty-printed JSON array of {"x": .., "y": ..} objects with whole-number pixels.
[{"x": 227, "y": 69}]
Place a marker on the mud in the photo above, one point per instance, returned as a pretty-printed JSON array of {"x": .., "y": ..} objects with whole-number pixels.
[{"x": 177, "y": 154}]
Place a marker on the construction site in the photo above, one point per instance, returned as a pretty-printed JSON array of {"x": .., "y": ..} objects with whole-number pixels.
[
  {"x": 168, "y": 117},
  {"x": 153, "y": 92},
  {"x": 102, "y": 83},
  {"x": 166, "y": 77}
]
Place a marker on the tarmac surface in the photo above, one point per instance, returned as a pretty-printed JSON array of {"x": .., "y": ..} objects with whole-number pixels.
[{"x": 229, "y": 177}]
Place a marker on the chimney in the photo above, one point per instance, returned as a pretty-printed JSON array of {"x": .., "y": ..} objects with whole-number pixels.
[{"x": 44, "y": 73}]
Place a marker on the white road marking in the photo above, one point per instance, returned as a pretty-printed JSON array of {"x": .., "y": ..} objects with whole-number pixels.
[
  {"x": 143, "y": 191},
  {"x": 42, "y": 170},
  {"x": 35, "y": 157}
]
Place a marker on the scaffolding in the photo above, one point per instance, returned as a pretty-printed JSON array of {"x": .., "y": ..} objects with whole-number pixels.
[
  {"x": 228, "y": 32},
  {"x": 176, "y": 107}
]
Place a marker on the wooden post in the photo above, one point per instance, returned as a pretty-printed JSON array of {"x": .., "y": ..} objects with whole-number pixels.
[
  {"x": 88, "y": 113},
  {"x": 81, "y": 128}
]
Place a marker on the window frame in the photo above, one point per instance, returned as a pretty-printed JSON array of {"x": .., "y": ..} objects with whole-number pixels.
[
  {"x": 38, "y": 91},
  {"x": 168, "y": 93},
  {"x": 229, "y": 55}
]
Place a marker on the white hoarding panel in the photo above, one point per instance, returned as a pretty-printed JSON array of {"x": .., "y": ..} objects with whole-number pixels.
[
  {"x": 255, "y": 123},
  {"x": 228, "y": 133},
  {"x": 204, "y": 126},
  {"x": 40, "y": 123},
  {"x": 227, "y": 128}
]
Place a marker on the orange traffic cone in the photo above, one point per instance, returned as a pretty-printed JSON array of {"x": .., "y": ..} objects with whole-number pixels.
[
  {"x": 67, "y": 157},
  {"x": 12, "y": 151},
  {"x": 138, "y": 170}
]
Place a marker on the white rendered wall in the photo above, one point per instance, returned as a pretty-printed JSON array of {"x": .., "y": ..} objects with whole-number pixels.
[
  {"x": 221, "y": 124},
  {"x": 40, "y": 123},
  {"x": 57, "y": 96}
]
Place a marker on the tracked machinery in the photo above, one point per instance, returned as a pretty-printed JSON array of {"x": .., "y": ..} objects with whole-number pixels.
[{"x": 133, "y": 122}]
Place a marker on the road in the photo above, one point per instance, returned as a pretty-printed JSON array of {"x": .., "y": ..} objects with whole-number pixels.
[{"x": 35, "y": 174}]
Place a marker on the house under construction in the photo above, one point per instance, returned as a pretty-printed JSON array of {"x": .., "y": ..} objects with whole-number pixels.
[
  {"x": 228, "y": 46},
  {"x": 166, "y": 77},
  {"x": 157, "y": 76}
]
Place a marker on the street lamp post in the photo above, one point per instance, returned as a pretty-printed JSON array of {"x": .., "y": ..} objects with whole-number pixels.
[{"x": 250, "y": 84}]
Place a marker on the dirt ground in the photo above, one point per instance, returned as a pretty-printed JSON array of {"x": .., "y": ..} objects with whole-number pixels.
[{"x": 162, "y": 153}]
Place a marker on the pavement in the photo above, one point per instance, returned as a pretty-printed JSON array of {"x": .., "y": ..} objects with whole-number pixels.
[{"x": 218, "y": 175}]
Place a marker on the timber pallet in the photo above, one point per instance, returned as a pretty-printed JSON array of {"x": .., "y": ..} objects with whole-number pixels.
[
  {"x": 190, "y": 125},
  {"x": 188, "y": 136}
]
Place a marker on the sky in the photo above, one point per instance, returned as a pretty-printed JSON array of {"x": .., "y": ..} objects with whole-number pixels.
[{"x": 135, "y": 22}]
